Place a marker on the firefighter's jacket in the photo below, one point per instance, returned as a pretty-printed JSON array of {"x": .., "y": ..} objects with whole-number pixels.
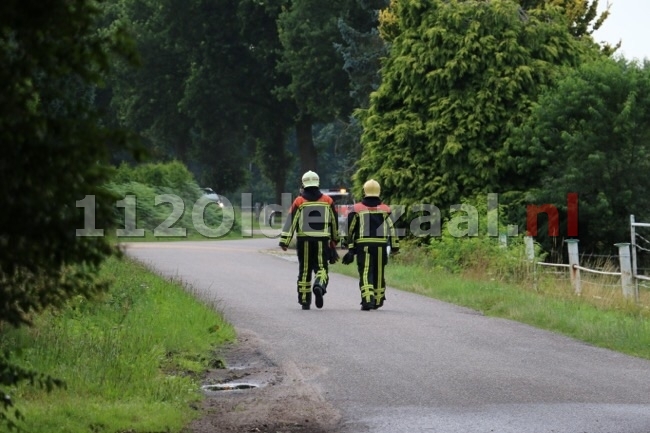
[
  {"x": 312, "y": 215},
  {"x": 369, "y": 223}
]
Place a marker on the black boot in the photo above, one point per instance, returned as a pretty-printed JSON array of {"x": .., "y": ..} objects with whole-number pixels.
[
  {"x": 367, "y": 306},
  {"x": 319, "y": 292},
  {"x": 306, "y": 301}
]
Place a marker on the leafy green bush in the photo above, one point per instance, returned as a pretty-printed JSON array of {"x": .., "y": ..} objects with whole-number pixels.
[
  {"x": 589, "y": 135},
  {"x": 172, "y": 174},
  {"x": 466, "y": 245},
  {"x": 164, "y": 182},
  {"x": 481, "y": 252}
]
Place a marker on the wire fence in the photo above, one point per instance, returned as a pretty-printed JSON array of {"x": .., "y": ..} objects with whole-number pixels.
[
  {"x": 631, "y": 275},
  {"x": 640, "y": 251}
]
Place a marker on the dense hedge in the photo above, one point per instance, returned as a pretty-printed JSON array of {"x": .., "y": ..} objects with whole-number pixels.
[{"x": 160, "y": 192}]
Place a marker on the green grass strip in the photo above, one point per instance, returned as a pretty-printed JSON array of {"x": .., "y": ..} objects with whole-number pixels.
[
  {"x": 131, "y": 361},
  {"x": 620, "y": 327}
]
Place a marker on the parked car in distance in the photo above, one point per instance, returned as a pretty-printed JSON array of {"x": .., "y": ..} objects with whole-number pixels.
[{"x": 212, "y": 196}]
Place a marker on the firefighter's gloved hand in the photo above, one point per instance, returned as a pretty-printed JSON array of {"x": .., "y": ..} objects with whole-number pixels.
[
  {"x": 333, "y": 256},
  {"x": 348, "y": 258}
]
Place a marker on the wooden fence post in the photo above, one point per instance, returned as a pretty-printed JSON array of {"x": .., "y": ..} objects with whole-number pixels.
[
  {"x": 529, "y": 243},
  {"x": 626, "y": 269},
  {"x": 574, "y": 262},
  {"x": 530, "y": 248}
]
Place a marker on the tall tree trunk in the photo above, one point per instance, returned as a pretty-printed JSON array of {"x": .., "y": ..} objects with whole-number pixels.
[
  {"x": 280, "y": 171},
  {"x": 279, "y": 188},
  {"x": 306, "y": 150}
]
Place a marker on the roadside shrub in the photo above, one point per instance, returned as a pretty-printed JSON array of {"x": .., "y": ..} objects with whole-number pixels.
[
  {"x": 147, "y": 216},
  {"x": 465, "y": 246},
  {"x": 172, "y": 174},
  {"x": 148, "y": 181},
  {"x": 480, "y": 254}
]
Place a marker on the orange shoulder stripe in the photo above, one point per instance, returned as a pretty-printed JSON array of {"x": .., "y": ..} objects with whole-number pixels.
[{"x": 297, "y": 203}]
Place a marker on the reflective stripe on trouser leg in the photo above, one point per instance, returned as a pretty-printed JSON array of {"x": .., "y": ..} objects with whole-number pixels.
[
  {"x": 365, "y": 284},
  {"x": 321, "y": 267},
  {"x": 304, "y": 278},
  {"x": 380, "y": 283}
]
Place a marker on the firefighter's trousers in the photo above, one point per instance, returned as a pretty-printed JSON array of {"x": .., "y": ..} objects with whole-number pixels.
[
  {"x": 371, "y": 261},
  {"x": 312, "y": 259}
]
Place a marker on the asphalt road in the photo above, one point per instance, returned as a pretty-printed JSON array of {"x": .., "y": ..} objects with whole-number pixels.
[{"x": 416, "y": 365}]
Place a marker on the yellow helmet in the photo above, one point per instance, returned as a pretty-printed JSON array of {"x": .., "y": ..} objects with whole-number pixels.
[
  {"x": 310, "y": 179},
  {"x": 371, "y": 188}
]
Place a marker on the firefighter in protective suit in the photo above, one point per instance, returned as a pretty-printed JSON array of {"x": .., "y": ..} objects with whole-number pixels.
[
  {"x": 370, "y": 234},
  {"x": 312, "y": 217}
]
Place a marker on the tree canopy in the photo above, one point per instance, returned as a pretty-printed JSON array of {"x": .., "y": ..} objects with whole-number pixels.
[
  {"x": 194, "y": 65},
  {"x": 459, "y": 77},
  {"x": 318, "y": 84},
  {"x": 582, "y": 16},
  {"x": 590, "y": 135}
]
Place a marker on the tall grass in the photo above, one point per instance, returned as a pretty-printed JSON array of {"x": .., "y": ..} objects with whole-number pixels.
[{"x": 131, "y": 361}]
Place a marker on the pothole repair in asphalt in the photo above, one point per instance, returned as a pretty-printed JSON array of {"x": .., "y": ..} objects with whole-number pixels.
[
  {"x": 248, "y": 392},
  {"x": 229, "y": 386},
  {"x": 244, "y": 368}
]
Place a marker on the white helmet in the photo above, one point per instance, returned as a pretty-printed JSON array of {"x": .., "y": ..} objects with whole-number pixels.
[{"x": 310, "y": 179}]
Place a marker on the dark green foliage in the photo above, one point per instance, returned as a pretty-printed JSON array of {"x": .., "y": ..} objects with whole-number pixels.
[
  {"x": 218, "y": 72},
  {"x": 182, "y": 99},
  {"x": 206, "y": 91},
  {"x": 362, "y": 61},
  {"x": 169, "y": 175},
  {"x": 145, "y": 182},
  {"x": 54, "y": 153},
  {"x": 591, "y": 135},
  {"x": 459, "y": 77},
  {"x": 362, "y": 49},
  {"x": 318, "y": 84},
  {"x": 145, "y": 99},
  {"x": 222, "y": 83},
  {"x": 308, "y": 32},
  {"x": 268, "y": 118},
  {"x": 338, "y": 150}
]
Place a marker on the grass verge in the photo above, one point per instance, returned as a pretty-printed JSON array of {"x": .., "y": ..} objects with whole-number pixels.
[
  {"x": 600, "y": 316},
  {"x": 131, "y": 361}
]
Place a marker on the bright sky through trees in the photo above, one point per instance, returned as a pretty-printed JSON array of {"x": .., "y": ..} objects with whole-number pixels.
[{"x": 628, "y": 22}]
